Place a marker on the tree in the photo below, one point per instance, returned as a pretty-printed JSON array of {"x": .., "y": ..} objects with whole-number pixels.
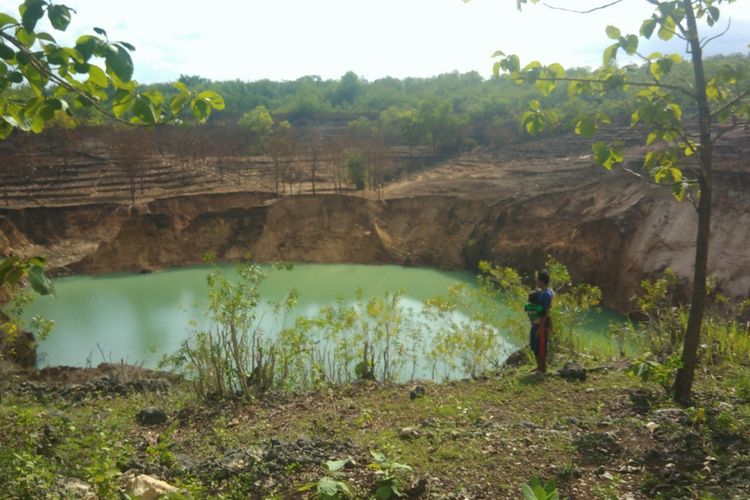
[
  {"x": 355, "y": 168},
  {"x": 677, "y": 156},
  {"x": 67, "y": 78},
  {"x": 259, "y": 124},
  {"x": 54, "y": 79}
]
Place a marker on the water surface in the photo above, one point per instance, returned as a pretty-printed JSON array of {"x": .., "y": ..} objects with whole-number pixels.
[{"x": 138, "y": 318}]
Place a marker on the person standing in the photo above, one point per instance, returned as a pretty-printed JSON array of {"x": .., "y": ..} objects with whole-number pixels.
[{"x": 540, "y": 303}]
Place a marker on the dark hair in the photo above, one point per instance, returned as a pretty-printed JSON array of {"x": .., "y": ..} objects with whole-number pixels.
[{"x": 543, "y": 276}]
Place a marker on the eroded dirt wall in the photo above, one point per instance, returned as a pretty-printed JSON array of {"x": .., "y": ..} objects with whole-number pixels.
[{"x": 612, "y": 237}]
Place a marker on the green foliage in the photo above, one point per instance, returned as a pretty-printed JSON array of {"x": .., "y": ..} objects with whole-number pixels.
[
  {"x": 725, "y": 333},
  {"x": 65, "y": 79},
  {"x": 390, "y": 476},
  {"x": 536, "y": 490},
  {"x": 329, "y": 488},
  {"x": 259, "y": 125},
  {"x": 15, "y": 273},
  {"x": 355, "y": 168},
  {"x": 231, "y": 355},
  {"x": 650, "y": 369}
]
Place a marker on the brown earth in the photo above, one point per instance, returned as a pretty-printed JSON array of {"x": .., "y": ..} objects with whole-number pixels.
[{"x": 513, "y": 206}]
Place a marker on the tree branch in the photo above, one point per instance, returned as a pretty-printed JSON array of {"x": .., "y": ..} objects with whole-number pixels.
[
  {"x": 634, "y": 84},
  {"x": 589, "y": 11},
  {"x": 711, "y": 39},
  {"x": 46, "y": 71},
  {"x": 731, "y": 103}
]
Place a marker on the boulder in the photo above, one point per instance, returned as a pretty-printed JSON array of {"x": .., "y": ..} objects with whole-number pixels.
[
  {"x": 518, "y": 358},
  {"x": 145, "y": 487},
  {"x": 572, "y": 371},
  {"x": 417, "y": 392},
  {"x": 151, "y": 416},
  {"x": 408, "y": 433}
]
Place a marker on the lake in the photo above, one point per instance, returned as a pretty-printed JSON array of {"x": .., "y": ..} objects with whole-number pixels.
[{"x": 139, "y": 318}]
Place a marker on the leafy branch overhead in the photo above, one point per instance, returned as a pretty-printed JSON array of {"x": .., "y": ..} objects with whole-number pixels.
[
  {"x": 672, "y": 144},
  {"x": 94, "y": 73},
  {"x": 679, "y": 148}
]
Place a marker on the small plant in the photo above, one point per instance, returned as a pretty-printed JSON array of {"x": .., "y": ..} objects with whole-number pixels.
[
  {"x": 536, "y": 490},
  {"x": 391, "y": 476},
  {"x": 327, "y": 487},
  {"x": 648, "y": 368}
]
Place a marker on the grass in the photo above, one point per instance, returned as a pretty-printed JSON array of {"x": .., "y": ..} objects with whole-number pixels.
[{"x": 482, "y": 439}]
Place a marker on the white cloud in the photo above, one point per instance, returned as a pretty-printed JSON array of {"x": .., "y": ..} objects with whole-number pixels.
[{"x": 286, "y": 39}]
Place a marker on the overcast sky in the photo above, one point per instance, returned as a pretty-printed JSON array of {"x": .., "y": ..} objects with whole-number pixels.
[{"x": 286, "y": 39}]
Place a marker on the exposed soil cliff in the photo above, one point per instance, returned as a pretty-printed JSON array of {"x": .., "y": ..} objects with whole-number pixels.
[{"x": 611, "y": 229}]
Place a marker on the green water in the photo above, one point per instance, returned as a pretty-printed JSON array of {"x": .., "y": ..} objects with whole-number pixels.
[{"x": 138, "y": 318}]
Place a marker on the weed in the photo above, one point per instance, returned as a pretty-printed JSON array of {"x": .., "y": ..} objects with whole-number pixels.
[
  {"x": 536, "y": 490},
  {"x": 391, "y": 476},
  {"x": 329, "y": 488}
]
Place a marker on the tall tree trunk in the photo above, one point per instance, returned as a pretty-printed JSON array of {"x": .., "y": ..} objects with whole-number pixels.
[{"x": 685, "y": 375}]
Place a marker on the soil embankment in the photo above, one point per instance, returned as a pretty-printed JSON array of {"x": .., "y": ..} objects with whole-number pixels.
[{"x": 514, "y": 207}]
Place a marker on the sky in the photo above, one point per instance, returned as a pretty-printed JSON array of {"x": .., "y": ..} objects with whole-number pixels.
[{"x": 286, "y": 39}]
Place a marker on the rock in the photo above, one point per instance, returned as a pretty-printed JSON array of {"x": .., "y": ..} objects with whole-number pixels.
[
  {"x": 674, "y": 414},
  {"x": 408, "y": 433},
  {"x": 642, "y": 399},
  {"x": 75, "y": 488},
  {"x": 151, "y": 416},
  {"x": 417, "y": 392},
  {"x": 518, "y": 358},
  {"x": 145, "y": 487},
  {"x": 572, "y": 371}
]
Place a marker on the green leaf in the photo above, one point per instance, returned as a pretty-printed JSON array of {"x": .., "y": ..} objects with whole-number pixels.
[
  {"x": 40, "y": 282},
  {"x": 59, "y": 16},
  {"x": 212, "y": 98},
  {"x": 335, "y": 465},
  {"x": 676, "y": 174},
  {"x": 119, "y": 62},
  {"x": 143, "y": 110},
  {"x": 98, "y": 77},
  {"x": 610, "y": 53},
  {"x": 5, "y": 129},
  {"x": 586, "y": 127},
  {"x": 122, "y": 102},
  {"x": 26, "y": 38},
  {"x": 557, "y": 70},
  {"x": 6, "y": 52},
  {"x": 178, "y": 103},
  {"x": 181, "y": 87},
  {"x": 613, "y": 32},
  {"x": 201, "y": 109},
  {"x": 46, "y": 37},
  {"x": 630, "y": 44},
  {"x": 85, "y": 46},
  {"x": 15, "y": 77},
  {"x": 647, "y": 28},
  {"x": 667, "y": 29},
  {"x": 6, "y": 20},
  {"x": 31, "y": 12}
]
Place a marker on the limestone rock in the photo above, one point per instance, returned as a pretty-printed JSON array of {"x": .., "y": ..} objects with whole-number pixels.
[
  {"x": 572, "y": 371},
  {"x": 151, "y": 416},
  {"x": 408, "y": 433},
  {"x": 417, "y": 392},
  {"x": 145, "y": 487}
]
